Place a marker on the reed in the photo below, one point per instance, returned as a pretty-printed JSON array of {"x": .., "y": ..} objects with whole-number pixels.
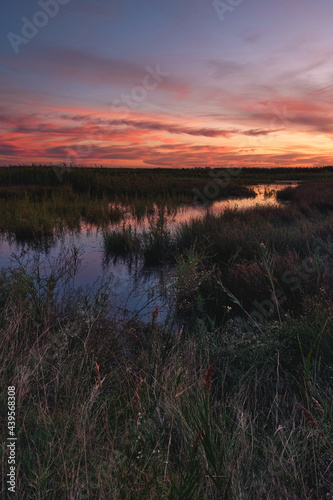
[
  {"x": 228, "y": 248},
  {"x": 232, "y": 405},
  {"x": 310, "y": 195},
  {"x": 111, "y": 409}
]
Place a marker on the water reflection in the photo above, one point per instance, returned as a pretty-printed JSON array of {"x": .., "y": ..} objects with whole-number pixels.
[
  {"x": 138, "y": 289},
  {"x": 265, "y": 195}
]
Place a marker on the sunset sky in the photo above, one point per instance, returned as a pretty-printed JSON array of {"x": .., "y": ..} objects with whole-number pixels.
[{"x": 177, "y": 83}]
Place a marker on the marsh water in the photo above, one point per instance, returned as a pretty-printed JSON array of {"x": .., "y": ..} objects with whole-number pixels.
[{"x": 137, "y": 288}]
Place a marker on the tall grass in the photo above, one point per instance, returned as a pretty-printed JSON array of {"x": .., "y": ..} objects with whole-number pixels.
[
  {"x": 230, "y": 406},
  {"x": 125, "y": 184},
  {"x": 154, "y": 244},
  {"x": 309, "y": 195},
  {"x": 107, "y": 409},
  {"x": 228, "y": 249},
  {"x": 40, "y": 201},
  {"x": 38, "y": 212}
]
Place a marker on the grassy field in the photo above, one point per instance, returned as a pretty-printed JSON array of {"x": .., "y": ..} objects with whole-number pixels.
[
  {"x": 123, "y": 184},
  {"x": 125, "y": 410},
  {"x": 149, "y": 181},
  {"x": 244, "y": 254},
  {"x": 237, "y": 403},
  {"x": 38, "y": 201}
]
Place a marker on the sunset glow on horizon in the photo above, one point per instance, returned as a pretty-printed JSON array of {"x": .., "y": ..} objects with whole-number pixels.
[{"x": 167, "y": 84}]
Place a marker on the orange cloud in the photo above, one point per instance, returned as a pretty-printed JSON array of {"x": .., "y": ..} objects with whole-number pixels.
[{"x": 60, "y": 134}]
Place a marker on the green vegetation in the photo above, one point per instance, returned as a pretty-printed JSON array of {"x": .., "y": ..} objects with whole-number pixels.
[
  {"x": 317, "y": 194},
  {"x": 236, "y": 403},
  {"x": 123, "y": 184},
  {"x": 37, "y": 200},
  {"x": 38, "y": 211},
  {"x": 227, "y": 247},
  {"x": 116, "y": 409},
  {"x": 148, "y": 182}
]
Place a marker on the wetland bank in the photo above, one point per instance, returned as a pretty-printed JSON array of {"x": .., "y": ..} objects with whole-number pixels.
[{"x": 212, "y": 376}]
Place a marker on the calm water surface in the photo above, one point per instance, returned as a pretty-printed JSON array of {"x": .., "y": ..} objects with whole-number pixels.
[{"x": 138, "y": 289}]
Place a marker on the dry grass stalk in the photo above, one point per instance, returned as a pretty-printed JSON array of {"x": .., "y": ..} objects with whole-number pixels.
[
  {"x": 136, "y": 398},
  {"x": 208, "y": 378},
  {"x": 155, "y": 313},
  {"x": 98, "y": 376},
  {"x": 168, "y": 452},
  {"x": 308, "y": 417},
  {"x": 180, "y": 334},
  {"x": 197, "y": 438},
  {"x": 184, "y": 390},
  {"x": 318, "y": 407}
]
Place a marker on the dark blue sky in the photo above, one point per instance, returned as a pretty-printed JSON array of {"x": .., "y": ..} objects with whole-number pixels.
[{"x": 177, "y": 83}]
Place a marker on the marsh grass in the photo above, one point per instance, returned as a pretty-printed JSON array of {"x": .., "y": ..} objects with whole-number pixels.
[
  {"x": 39, "y": 201},
  {"x": 297, "y": 261},
  {"x": 123, "y": 242},
  {"x": 226, "y": 407},
  {"x": 154, "y": 245},
  {"x": 45, "y": 212},
  {"x": 309, "y": 195},
  {"x": 213, "y": 414}
]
